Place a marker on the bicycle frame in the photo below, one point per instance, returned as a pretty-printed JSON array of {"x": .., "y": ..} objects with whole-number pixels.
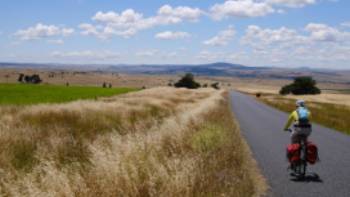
[{"x": 300, "y": 167}]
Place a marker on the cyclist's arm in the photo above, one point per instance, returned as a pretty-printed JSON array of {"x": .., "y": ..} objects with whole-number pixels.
[{"x": 290, "y": 120}]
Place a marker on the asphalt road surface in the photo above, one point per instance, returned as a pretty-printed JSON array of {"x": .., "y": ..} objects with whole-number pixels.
[{"x": 262, "y": 126}]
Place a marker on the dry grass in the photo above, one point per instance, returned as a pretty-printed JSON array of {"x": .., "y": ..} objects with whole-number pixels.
[
  {"x": 158, "y": 142},
  {"x": 334, "y": 116},
  {"x": 343, "y": 99}
]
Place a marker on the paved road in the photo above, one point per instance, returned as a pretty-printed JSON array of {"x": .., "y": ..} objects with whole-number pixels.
[{"x": 262, "y": 126}]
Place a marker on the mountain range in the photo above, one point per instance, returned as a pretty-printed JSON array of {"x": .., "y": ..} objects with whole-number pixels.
[{"x": 213, "y": 69}]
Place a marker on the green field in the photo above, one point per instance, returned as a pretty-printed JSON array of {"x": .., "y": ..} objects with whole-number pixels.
[{"x": 24, "y": 94}]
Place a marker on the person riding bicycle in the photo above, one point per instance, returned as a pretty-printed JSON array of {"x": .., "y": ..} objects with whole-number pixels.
[{"x": 301, "y": 119}]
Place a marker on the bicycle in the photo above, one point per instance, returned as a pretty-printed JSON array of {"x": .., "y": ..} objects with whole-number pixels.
[{"x": 299, "y": 167}]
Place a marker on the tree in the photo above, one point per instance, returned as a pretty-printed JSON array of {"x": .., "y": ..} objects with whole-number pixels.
[
  {"x": 34, "y": 79},
  {"x": 301, "y": 86},
  {"x": 20, "y": 78},
  {"x": 287, "y": 89},
  {"x": 187, "y": 81}
]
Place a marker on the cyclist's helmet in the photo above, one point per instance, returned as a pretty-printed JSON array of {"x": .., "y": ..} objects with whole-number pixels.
[{"x": 300, "y": 103}]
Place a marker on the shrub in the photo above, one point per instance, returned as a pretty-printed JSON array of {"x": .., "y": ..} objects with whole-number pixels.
[
  {"x": 287, "y": 89},
  {"x": 301, "y": 86},
  {"x": 215, "y": 85},
  {"x": 34, "y": 79},
  {"x": 20, "y": 77},
  {"x": 187, "y": 81}
]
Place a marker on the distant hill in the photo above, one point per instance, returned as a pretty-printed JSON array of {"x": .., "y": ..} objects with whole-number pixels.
[{"x": 213, "y": 69}]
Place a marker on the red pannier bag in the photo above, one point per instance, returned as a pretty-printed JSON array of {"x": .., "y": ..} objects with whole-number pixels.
[
  {"x": 312, "y": 153},
  {"x": 293, "y": 153}
]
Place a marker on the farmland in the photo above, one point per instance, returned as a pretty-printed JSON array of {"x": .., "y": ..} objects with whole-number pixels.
[{"x": 22, "y": 94}]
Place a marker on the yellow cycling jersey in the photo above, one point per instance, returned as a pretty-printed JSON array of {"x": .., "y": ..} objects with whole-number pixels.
[{"x": 294, "y": 117}]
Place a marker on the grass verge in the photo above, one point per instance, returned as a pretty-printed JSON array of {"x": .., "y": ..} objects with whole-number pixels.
[{"x": 334, "y": 116}]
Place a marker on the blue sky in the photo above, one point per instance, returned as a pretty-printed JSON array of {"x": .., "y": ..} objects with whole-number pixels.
[{"x": 285, "y": 33}]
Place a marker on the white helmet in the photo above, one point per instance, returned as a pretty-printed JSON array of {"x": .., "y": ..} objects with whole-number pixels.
[{"x": 300, "y": 103}]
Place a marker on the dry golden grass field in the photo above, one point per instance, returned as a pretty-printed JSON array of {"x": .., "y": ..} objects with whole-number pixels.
[
  {"x": 155, "y": 142},
  {"x": 90, "y": 78}
]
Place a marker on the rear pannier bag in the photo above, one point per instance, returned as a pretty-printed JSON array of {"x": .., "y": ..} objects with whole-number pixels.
[
  {"x": 312, "y": 153},
  {"x": 293, "y": 153}
]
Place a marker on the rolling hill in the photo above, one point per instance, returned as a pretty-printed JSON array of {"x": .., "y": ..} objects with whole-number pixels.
[{"x": 213, "y": 69}]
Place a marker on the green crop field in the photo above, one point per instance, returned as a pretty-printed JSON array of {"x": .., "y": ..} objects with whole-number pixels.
[{"x": 24, "y": 94}]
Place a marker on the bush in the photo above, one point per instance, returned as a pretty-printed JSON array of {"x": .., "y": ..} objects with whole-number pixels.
[
  {"x": 34, "y": 79},
  {"x": 215, "y": 85},
  {"x": 20, "y": 78},
  {"x": 187, "y": 81},
  {"x": 287, "y": 89},
  {"x": 301, "y": 86}
]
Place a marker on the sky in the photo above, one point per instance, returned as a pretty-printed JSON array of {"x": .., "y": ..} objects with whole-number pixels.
[{"x": 283, "y": 33}]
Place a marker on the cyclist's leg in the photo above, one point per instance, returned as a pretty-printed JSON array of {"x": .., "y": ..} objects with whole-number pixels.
[{"x": 294, "y": 136}]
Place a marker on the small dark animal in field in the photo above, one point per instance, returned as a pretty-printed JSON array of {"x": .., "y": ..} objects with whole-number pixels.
[
  {"x": 258, "y": 95},
  {"x": 104, "y": 85},
  {"x": 67, "y": 84},
  {"x": 110, "y": 85}
]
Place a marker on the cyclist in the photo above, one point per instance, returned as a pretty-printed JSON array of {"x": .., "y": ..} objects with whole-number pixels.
[{"x": 301, "y": 119}]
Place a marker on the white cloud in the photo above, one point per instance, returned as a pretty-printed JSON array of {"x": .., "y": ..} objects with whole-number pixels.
[
  {"x": 317, "y": 44},
  {"x": 322, "y": 32},
  {"x": 240, "y": 8},
  {"x": 181, "y": 12},
  {"x": 169, "y": 35},
  {"x": 129, "y": 22},
  {"x": 222, "y": 39},
  {"x": 254, "y": 8},
  {"x": 258, "y": 37},
  {"x": 40, "y": 31},
  {"x": 87, "y": 54},
  {"x": 291, "y": 3}
]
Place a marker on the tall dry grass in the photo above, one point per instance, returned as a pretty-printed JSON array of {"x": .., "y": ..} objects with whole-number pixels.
[
  {"x": 331, "y": 115},
  {"x": 158, "y": 142}
]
